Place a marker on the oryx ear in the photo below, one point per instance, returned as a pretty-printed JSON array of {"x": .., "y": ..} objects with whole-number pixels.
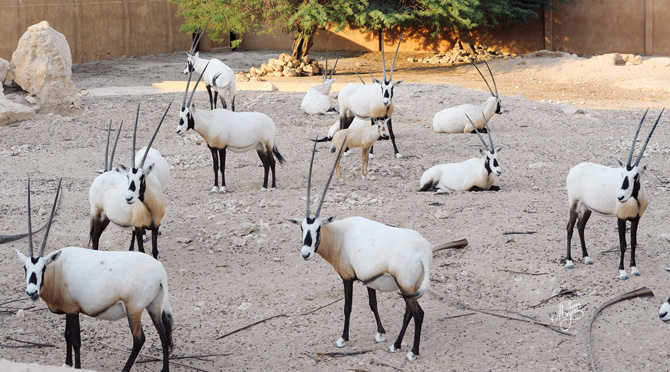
[
  {"x": 376, "y": 81},
  {"x": 642, "y": 170},
  {"x": 397, "y": 82},
  {"x": 498, "y": 149},
  {"x": 22, "y": 256},
  {"x": 482, "y": 151},
  {"x": 51, "y": 258},
  {"x": 147, "y": 170},
  {"x": 197, "y": 54},
  {"x": 667, "y": 270},
  {"x": 99, "y": 171},
  {"x": 328, "y": 220},
  {"x": 620, "y": 163},
  {"x": 122, "y": 168},
  {"x": 294, "y": 221}
]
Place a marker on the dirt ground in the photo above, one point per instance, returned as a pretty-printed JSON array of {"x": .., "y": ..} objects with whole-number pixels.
[{"x": 232, "y": 259}]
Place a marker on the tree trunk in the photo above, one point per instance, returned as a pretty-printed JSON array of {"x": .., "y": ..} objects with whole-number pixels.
[{"x": 302, "y": 44}]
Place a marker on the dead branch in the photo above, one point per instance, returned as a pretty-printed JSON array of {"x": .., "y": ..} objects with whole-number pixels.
[
  {"x": 522, "y": 272},
  {"x": 172, "y": 357},
  {"x": 644, "y": 291},
  {"x": 375, "y": 363},
  {"x": 519, "y": 232},
  {"x": 29, "y": 343},
  {"x": 456, "y": 316},
  {"x": 559, "y": 294},
  {"x": 549, "y": 326},
  {"x": 150, "y": 356},
  {"x": 317, "y": 360},
  {"x": 250, "y": 325},
  {"x": 457, "y": 244},
  {"x": 319, "y": 308},
  {"x": 9, "y": 302},
  {"x": 343, "y": 354}
]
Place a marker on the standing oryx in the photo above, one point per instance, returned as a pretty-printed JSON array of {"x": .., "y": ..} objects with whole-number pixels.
[
  {"x": 132, "y": 198},
  {"x": 384, "y": 258},
  {"x": 316, "y": 99},
  {"x": 475, "y": 174},
  {"x": 104, "y": 285},
  {"x": 370, "y": 101},
  {"x": 615, "y": 192},
  {"x": 220, "y": 76},
  {"x": 452, "y": 120},
  {"x": 237, "y": 131}
]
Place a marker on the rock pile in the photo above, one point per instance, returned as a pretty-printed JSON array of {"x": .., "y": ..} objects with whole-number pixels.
[
  {"x": 458, "y": 55},
  {"x": 288, "y": 66}
]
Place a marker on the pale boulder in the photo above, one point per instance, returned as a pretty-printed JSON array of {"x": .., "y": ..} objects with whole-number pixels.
[
  {"x": 42, "y": 66},
  {"x": 4, "y": 73},
  {"x": 11, "y": 112}
]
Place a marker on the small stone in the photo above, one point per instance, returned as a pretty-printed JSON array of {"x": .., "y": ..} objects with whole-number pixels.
[
  {"x": 31, "y": 99},
  {"x": 440, "y": 214},
  {"x": 270, "y": 87},
  {"x": 244, "y": 306}
]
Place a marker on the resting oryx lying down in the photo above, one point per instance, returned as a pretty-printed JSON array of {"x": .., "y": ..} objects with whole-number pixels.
[
  {"x": 384, "y": 258},
  {"x": 103, "y": 285},
  {"x": 475, "y": 174},
  {"x": 452, "y": 120},
  {"x": 316, "y": 99},
  {"x": 613, "y": 192},
  {"x": 364, "y": 138}
]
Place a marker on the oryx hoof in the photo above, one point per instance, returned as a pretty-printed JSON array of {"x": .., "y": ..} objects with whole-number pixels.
[
  {"x": 410, "y": 356},
  {"x": 635, "y": 271},
  {"x": 379, "y": 337},
  {"x": 371, "y": 156},
  {"x": 392, "y": 349},
  {"x": 340, "y": 343},
  {"x": 214, "y": 190},
  {"x": 569, "y": 264},
  {"x": 623, "y": 275},
  {"x": 398, "y": 155},
  {"x": 145, "y": 238},
  {"x": 346, "y": 154},
  {"x": 588, "y": 260}
]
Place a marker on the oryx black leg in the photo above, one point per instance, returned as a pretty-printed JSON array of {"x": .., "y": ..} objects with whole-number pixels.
[
  {"x": 405, "y": 321},
  {"x": 621, "y": 224},
  {"x": 390, "y": 128},
  {"x": 222, "y": 159},
  {"x": 232, "y": 103},
  {"x": 581, "y": 225},
  {"x": 72, "y": 339},
  {"x": 135, "y": 322},
  {"x": 132, "y": 241},
  {"x": 372, "y": 298},
  {"x": 266, "y": 166},
  {"x": 417, "y": 314},
  {"x": 158, "y": 323},
  {"x": 348, "y": 293},
  {"x": 633, "y": 244},
  {"x": 223, "y": 99},
  {"x": 212, "y": 102},
  {"x": 570, "y": 228},
  {"x": 97, "y": 227},
  {"x": 215, "y": 165},
  {"x": 137, "y": 235},
  {"x": 154, "y": 242},
  {"x": 272, "y": 162}
]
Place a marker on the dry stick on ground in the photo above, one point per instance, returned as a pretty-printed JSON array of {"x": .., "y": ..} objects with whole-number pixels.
[
  {"x": 319, "y": 308},
  {"x": 549, "y": 326},
  {"x": 519, "y": 232},
  {"x": 644, "y": 291},
  {"x": 151, "y": 356},
  {"x": 559, "y": 294},
  {"x": 251, "y": 325},
  {"x": 9, "y": 302},
  {"x": 342, "y": 354},
  {"x": 521, "y": 272},
  {"x": 456, "y": 316},
  {"x": 172, "y": 357},
  {"x": 375, "y": 363},
  {"x": 456, "y": 244},
  {"x": 35, "y": 344}
]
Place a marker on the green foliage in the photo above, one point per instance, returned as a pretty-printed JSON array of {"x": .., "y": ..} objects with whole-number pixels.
[{"x": 303, "y": 17}]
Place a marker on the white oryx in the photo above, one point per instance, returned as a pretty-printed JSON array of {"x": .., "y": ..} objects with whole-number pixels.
[
  {"x": 614, "y": 192},
  {"x": 131, "y": 198},
  {"x": 383, "y": 258},
  {"x": 370, "y": 101},
  {"x": 452, "y": 120},
  {"x": 364, "y": 138},
  {"x": 475, "y": 174},
  {"x": 236, "y": 131},
  {"x": 103, "y": 285},
  {"x": 316, "y": 99},
  {"x": 219, "y": 77}
]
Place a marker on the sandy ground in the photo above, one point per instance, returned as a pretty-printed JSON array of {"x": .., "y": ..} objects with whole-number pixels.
[{"x": 233, "y": 260}]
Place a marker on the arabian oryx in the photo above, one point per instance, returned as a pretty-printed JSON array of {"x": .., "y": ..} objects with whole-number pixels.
[
  {"x": 103, "y": 285},
  {"x": 219, "y": 76},
  {"x": 316, "y": 99},
  {"x": 452, "y": 120},
  {"x": 384, "y": 258},
  {"x": 370, "y": 101},
  {"x": 615, "y": 192},
  {"x": 364, "y": 138},
  {"x": 476, "y": 174},
  {"x": 131, "y": 198},
  {"x": 236, "y": 131}
]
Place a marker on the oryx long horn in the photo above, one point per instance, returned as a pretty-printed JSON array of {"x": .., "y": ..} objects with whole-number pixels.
[
  {"x": 371, "y": 77},
  {"x": 632, "y": 147},
  {"x": 644, "y": 146},
  {"x": 137, "y": 118},
  {"x": 482, "y": 75},
  {"x": 323, "y": 197},
  {"x": 492, "y": 78},
  {"x": 190, "y": 50},
  {"x": 477, "y": 131},
  {"x": 111, "y": 158},
  {"x": 109, "y": 131},
  {"x": 198, "y": 39},
  {"x": 325, "y": 72},
  {"x": 196, "y": 85},
  {"x": 332, "y": 72},
  {"x": 396, "y": 54},
  {"x": 188, "y": 83},
  {"x": 486, "y": 125},
  {"x": 383, "y": 56},
  {"x": 309, "y": 178},
  {"x": 51, "y": 217},
  {"x": 154, "y": 136},
  {"x": 359, "y": 76},
  {"x": 30, "y": 225}
]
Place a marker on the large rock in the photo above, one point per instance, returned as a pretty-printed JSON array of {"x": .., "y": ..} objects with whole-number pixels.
[
  {"x": 42, "y": 65},
  {"x": 11, "y": 112},
  {"x": 4, "y": 72}
]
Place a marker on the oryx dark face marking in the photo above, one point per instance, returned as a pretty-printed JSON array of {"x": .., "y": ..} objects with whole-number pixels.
[
  {"x": 136, "y": 185},
  {"x": 34, "y": 268},
  {"x": 630, "y": 186},
  {"x": 498, "y": 108},
  {"x": 184, "y": 118}
]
